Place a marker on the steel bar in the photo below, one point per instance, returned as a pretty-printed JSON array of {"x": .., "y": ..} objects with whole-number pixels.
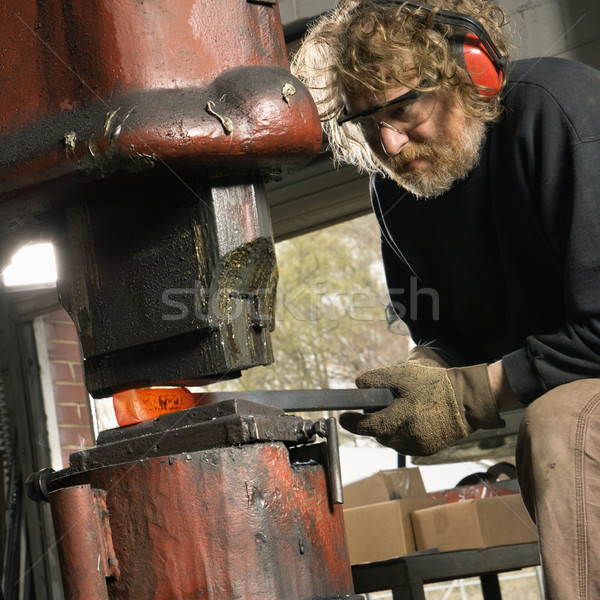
[
  {"x": 308, "y": 400},
  {"x": 333, "y": 460}
]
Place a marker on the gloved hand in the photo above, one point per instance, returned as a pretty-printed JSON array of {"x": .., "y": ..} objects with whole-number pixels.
[
  {"x": 426, "y": 356},
  {"x": 435, "y": 406}
]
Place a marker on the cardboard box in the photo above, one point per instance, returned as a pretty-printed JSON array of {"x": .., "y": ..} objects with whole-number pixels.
[
  {"x": 383, "y": 530},
  {"x": 474, "y": 524},
  {"x": 392, "y": 484}
]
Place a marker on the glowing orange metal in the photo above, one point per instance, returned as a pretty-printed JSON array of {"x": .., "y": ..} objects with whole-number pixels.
[{"x": 137, "y": 405}]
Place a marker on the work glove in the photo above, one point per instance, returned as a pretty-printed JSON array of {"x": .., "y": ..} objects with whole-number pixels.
[
  {"x": 426, "y": 356},
  {"x": 435, "y": 406}
]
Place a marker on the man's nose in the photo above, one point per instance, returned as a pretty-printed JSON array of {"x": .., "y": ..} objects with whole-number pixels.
[{"x": 392, "y": 139}]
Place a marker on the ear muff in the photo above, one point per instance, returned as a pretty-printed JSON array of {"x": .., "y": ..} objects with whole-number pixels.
[
  {"x": 474, "y": 50},
  {"x": 472, "y": 55}
]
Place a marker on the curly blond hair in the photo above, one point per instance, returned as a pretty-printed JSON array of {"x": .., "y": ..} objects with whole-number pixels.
[{"x": 366, "y": 46}]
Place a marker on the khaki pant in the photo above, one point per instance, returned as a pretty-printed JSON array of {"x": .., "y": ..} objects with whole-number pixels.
[{"x": 558, "y": 461}]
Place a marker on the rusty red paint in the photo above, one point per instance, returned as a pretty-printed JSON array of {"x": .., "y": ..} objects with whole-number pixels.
[
  {"x": 238, "y": 522},
  {"x": 62, "y": 55},
  {"x": 111, "y": 563},
  {"x": 80, "y": 543},
  {"x": 92, "y": 89}
]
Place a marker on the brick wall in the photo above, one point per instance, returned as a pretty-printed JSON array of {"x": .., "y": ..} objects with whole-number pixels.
[{"x": 66, "y": 372}]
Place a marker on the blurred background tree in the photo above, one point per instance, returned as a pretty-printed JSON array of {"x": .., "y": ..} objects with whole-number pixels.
[{"x": 330, "y": 314}]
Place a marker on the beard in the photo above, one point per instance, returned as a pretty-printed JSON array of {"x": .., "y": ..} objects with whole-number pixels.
[{"x": 452, "y": 157}]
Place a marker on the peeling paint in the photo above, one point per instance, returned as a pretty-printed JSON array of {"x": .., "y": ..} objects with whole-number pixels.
[
  {"x": 291, "y": 547},
  {"x": 287, "y": 91},
  {"x": 225, "y": 121},
  {"x": 109, "y": 121},
  {"x": 116, "y": 156},
  {"x": 112, "y": 128},
  {"x": 142, "y": 159},
  {"x": 70, "y": 141}
]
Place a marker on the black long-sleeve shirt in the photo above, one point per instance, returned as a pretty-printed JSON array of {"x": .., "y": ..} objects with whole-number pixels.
[{"x": 506, "y": 264}]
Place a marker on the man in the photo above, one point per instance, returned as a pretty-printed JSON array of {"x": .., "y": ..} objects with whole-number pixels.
[{"x": 485, "y": 182}]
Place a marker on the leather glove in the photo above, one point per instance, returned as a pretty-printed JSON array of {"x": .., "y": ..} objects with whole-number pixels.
[
  {"x": 434, "y": 408},
  {"x": 426, "y": 356}
]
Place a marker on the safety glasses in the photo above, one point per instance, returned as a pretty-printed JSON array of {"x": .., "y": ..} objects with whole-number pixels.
[{"x": 404, "y": 98}]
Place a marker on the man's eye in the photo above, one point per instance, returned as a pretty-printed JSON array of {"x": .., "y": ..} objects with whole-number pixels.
[{"x": 401, "y": 109}]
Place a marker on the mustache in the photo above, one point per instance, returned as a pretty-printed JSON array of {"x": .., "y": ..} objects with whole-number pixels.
[{"x": 410, "y": 153}]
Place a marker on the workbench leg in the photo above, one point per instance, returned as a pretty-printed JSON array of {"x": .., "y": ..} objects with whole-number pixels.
[
  {"x": 490, "y": 586},
  {"x": 414, "y": 590}
]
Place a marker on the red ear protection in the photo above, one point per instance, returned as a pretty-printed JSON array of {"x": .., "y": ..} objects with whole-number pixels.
[
  {"x": 473, "y": 56},
  {"x": 475, "y": 50}
]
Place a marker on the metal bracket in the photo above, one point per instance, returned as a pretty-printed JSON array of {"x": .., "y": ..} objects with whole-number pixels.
[{"x": 327, "y": 428}]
